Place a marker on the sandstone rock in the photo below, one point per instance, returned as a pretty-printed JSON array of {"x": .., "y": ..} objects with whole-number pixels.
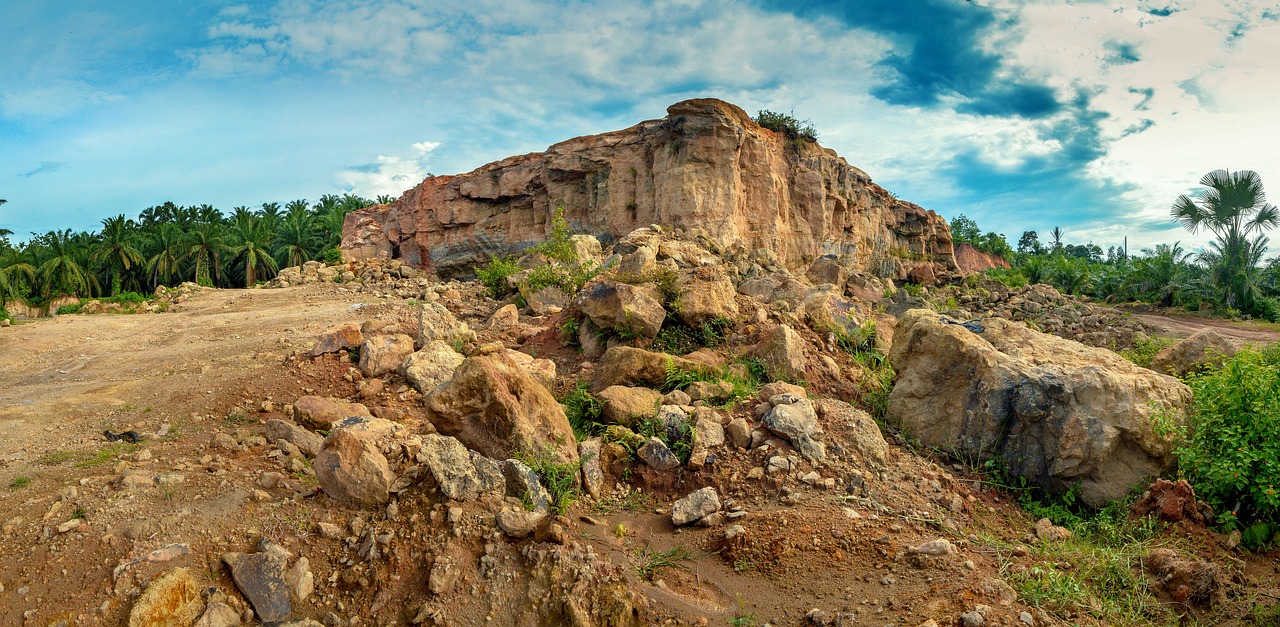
[
  {"x": 346, "y": 336},
  {"x": 545, "y": 301},
  {"x": 706, "y": 294},
  {"x": 382, "y": 354},
  {"x": 519, "y": 523},
  {"x": 796, "y": 420},
  {"x": 770, "y": 390},
  {"x": 940, "y": 546},
  {"x": 710, "y": 392},
  {"x": 435, "y": 322},
  {"x": 431, "y": 366},
  {"x": 542, "y": 370},
  {"x": 300, "y": 580},
  {"x": 1057, "y": 412},
  {"x": 1186, "y": 580},
  {"x": 708, "y": 435},
  {"x": 490, "y": 473},
  {"x": 282, "y": 431},
  {"x": 970, "y": 260},
  {"x": 623, "y": 309},
  {"x": 827, "y": 269},
  {"x": 260, "y": 578},
  {"x": 319, "y": 413},
  {"x": 505, "y": 317},
  {"x": 444, "y": 574},
  {"x": 738, "y": 433},
  {"x": 493, "y": 406},
  {"x": 524, "y": 484},
  {"x": 589, "y": 452},
  {"x": 451, "y": 466},
  {"x": 626, "y": 406},
  {"x": 219, "y": 614},
  {"x": 1046, "y": 531},
  {"x": 1204, "y": 347},
  {"x": 859, "y": 430},
  {"x": 694, "y": 506},
  {"x": 624, "y": 365},
  {"x": 172, "y": 600},
  {"x": 782, "y": 353},
  {"x": 706, "y": 167},
  {"x": 351, "y": 469}
]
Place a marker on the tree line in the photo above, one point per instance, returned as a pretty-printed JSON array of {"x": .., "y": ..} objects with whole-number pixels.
[
  {"x": 168, "y": 244},
  {"x": 1230, "y": 275}
]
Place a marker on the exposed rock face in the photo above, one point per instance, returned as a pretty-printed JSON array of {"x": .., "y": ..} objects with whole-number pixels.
[
  {"x": 970, "y": 259},
  {"x": 1055, "y": 411},
  {"x": 706, "y": 168}
]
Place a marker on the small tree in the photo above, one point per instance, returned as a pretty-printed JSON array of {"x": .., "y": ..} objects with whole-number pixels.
[{"x": 788, "y": 125}]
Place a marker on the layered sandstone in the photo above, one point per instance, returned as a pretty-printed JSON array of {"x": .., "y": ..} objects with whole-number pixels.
[{"x": 706, "y": 168}]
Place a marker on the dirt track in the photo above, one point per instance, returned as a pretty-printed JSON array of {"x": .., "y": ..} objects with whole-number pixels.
[{"x": 1181, "y": 326}]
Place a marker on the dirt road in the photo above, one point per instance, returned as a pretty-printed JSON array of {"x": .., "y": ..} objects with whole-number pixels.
[{"x": 1181, "y": 326}]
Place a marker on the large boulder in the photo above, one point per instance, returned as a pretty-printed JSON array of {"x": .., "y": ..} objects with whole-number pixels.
[
  {"x": 319, "y": 413},
  {"x": 346, "y": 336},
  {"x": 794, "y": 418},
  {"x": 625, "y": 405},
  {"x": 306, "y": 441},
  {"x": 782, "y": 353},
  {"x": 634, "y": 310},
  {"x": 493, "y": 406},
  {"x": 382, "y": 354},
  {"x": 1056, "y": 412},
  {"x": 431, "y": 366},
  {"x": 450, "y": 465},
  {"x": 435, "y": 322},
  {"x": 351, "y": 467},
  {"x": 625, "y": 365},
  {"x": 706, "y": 294},
  {"x": 1202, "y": 348}
]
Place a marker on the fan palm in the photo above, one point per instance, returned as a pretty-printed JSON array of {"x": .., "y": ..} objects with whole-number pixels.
[{"x": 1233, "y": 206}]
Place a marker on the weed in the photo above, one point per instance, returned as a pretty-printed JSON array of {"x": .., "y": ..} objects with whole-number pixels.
[
  {"x": 652, "y": 562},
  {"x": 743, "y": 564},
  {"x": 584, "y": 411},
  {"x": 54, "y": 458},
  {"x": 677, "y": 436},
  {"x": 459, "y": 346},
  {"x": 569, "y": 330},
  {"x": 494, "y": 276},
  {"x": 78, "y": 513},
  {"x": 559, "y": 478},
  {"x": 19, "y": 482},
  {"x": 104, "y": 455},
  {"x": 632, "y": 501},
  {"x": 237, "y": 418},
  {"x": 620, "y": 531},
  {"x": 677, "y": 377},
  {"x": 1145, "y": 349}
]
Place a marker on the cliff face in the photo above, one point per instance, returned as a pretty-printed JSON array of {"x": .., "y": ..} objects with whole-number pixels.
[
  {"x": 706, "y": 168},
  {"x": 971, "y": 260}
]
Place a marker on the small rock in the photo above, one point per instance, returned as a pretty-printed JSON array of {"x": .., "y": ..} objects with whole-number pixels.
[
  {"x": 657, "y": 455},
  {"x": 940, "y": 546},
  {"x": 519, "y": 523},
  {"x": 696, "y": 505},
  {"x": 972, "y": 619},
  {"x": 443, "y": 575},
  {"x": 300, "y": 580}
]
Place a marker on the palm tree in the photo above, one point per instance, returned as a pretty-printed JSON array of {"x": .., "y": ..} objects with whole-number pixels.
[
  {"x": 1056, "y": 234},
  {"x": 204, "y": 246},
  {"x": 166, "y": 257},
  {"x": 15, "y": 273},
  {"x": 251, "y": 234},
  {"x": 1233, "y": 206},
  {"x": 61, "y": 273},
  {"x": 1156, "y": 275},
  {"x": 115, "y": 249},
  {"x": 295, "y": 240}
]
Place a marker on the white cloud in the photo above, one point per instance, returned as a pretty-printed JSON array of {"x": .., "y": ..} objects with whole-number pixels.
[{"x": 390, "y": 175}]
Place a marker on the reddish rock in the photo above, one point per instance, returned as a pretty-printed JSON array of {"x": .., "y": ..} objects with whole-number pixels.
[
  {"x": 706, "y": 168},
  {"x": 344, "y": 336},
  {"x": 971, "y": 260},
  {"x": 1170, "y": 502}
]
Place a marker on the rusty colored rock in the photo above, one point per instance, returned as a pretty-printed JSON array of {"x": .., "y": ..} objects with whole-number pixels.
[{"x": 1170, "y": 502}]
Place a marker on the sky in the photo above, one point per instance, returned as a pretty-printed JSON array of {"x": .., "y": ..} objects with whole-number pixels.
[{"x": 1089, "y": 116}]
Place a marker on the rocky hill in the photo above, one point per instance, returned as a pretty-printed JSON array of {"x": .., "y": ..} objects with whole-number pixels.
[{"x": 706, "y": 169}]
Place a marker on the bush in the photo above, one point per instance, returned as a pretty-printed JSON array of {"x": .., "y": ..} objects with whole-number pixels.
[
  {"x": 4, "y": 315},
  {"x": 331, "y": 256},
  {"x": 1011, "y": 278},
  {"x": 494, "y": 276},
  {"x": 72, "y": 308},
  {"x": 125, "y": 298},
  {"x": 560, "y": 479},
  {"x": 1231, "y": 452},
  {"x": 584, "y": 411},
  {"x": 788, "y": 125},
  {"x": 1145, "y": 349}
]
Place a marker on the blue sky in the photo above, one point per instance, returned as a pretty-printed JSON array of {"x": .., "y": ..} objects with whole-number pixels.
[{"x": 1091, "y": 116}]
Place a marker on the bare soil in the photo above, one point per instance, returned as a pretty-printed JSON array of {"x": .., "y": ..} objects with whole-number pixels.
[
  {"x": 224, "y": 362},
  {"x": 1240, "y": 332}
]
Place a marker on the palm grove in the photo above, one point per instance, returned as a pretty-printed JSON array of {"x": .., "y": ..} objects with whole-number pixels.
[
  {"x": 1229, "y": 275},
  {"x": 168, "y": 244}
]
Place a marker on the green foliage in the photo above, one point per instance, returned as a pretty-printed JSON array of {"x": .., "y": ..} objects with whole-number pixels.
[
  {"x": 787, "y": 124},
  {"x": 559, "y": 478},
  {"x": 569, "y": 330},
  {"x": 559, "y": 243},
  {"x": 1231, "y": 454},
  {"x": 635, "y": 500},
  {"x": 19, "y": 482},
  {"x": 677, "y": 338},
  {"x": 651, "y": 562},
  {"x": 494, "y": 276},
  {"x": 1145, "y": 349},
  {"x": 1012, "y": 278},
  {"x": 4, "y": 315},
  {"x": 584, "y": 411},
  {"x": 69, "y": 308},
  {"x": 677, "y": 437},
  {"x": 331, "y": 256}
]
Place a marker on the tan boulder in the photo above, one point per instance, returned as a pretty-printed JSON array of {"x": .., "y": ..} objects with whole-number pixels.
[
  {"x": 782, "y": 353},
  {"x": 626, "y": 406},
  {"x": 346, "y": 336},
  {"x": 351, "y": 468},
  {"x": 1202, "y": 348},
  {"x": 382, "y": 354},
  {"x": 706, "y": 294},
  {"x": 172, "y": 600},
  {"x": 621, "y": 308},
  {"x": 431, "y": 366},
  {"x": 319, "y": 413},
  {"x": 1055, "y": 411},
  {"x": 625, "y": 365},
  {"x": 493, "y": 406},
  {"x": 436, "y": 322}
]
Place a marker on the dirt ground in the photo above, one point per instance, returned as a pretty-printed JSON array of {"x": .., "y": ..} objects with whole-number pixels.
[
  {"x": 209, "y": 364},
  {"x": 1181, "y": 325}
]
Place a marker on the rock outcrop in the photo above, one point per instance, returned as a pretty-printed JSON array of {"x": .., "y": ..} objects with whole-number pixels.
[
  {"x": 970, "y": 260},
  {"x": 706, "y": 168},
  {"x": 1054, "y": 411}
]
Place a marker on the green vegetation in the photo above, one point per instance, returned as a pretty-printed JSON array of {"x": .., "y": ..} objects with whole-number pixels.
[
  {"x": 678, "y": 437},
  {"x": 678, "y": 338},
  {"x": 635, "y": 500},
  {"x": 167, "y": 244},
  {"x": 1230, "y": 452},
  {"x": 19, "y": 483},
  {"x": 651, "y": 562},
  {"x": 559, "y": 478},
  {"x": 1145, "y": 349},
  {"x": 787, "y": 124},
  {"x": 494, "y": 276},
  {"x": 583, "y": 410},
  {"x": 744, "y": 378}
]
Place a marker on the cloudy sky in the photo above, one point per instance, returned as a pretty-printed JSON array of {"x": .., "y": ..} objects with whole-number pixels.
[{"x": 1091, "y": 116}]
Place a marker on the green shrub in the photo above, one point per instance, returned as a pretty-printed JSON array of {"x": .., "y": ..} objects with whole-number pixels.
[
  {"x": 331, "y": 256},
  {"x": 72, "y": 308},
  {"x": 125, "y": 298},
  {"x": 4, "y": 315},
  {"x": 584, "y": 411},
  {"x": 787, "y": 124},
  {"x": 494, "y": 276},
  {"x": 1145, "y": 349},
  {"x": 1231, "y": 453},
  {"x": 569, "y": 330},
  {"x": 559, "y": 243},
  {"x": 678, "y": 438},
  {"x": 559, "y": 478}
]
